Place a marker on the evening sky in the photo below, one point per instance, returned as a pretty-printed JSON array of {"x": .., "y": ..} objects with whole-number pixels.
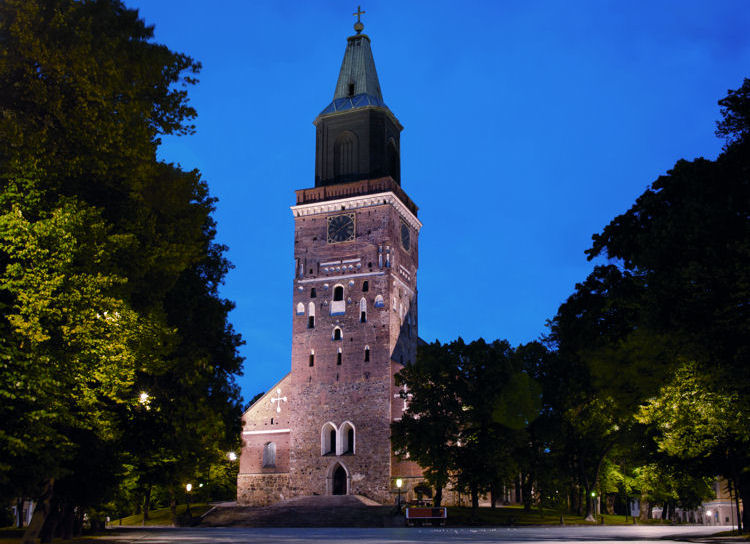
[{"x": 528, "y": 127}]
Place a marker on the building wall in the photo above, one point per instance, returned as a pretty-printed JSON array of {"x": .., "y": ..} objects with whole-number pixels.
[
  {"x": 350, "y": 390},
  {"x": 262, "y": 423}
]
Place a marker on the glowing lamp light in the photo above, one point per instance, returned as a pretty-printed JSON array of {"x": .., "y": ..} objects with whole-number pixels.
[
  {"x": 708, "y": 512},
  {"x": 143, "y": 397},
  {"x": 189, "y": 487},
  {"x": 399, "y": 483},
  {"x": 232, "y": 456}
]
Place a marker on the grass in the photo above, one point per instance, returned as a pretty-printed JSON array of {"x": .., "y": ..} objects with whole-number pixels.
[
  {"x": 161, "y": 516},
  {"x": 517, "y": 516},
  {"x": 744, "y": 536}
]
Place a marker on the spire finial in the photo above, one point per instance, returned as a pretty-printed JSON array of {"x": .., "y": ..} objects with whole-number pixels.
[{"x": 358, "y": 26}]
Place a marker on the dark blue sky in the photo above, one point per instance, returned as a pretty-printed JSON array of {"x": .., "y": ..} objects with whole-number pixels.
[{"x": 528, "y": 126}]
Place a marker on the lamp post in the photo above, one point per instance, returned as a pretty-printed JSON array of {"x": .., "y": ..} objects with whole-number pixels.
[
  {"x": 188, "y": 489},
  {"x": 399, "y": 483}
]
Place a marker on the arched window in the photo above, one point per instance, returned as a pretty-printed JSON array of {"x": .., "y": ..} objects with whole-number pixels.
[
  {"x": 394, "y": 166},
  {"x": 338, "y": 357},
  {"x": 312, "y": 358},
  {"x": 379, "y": 303},
  {"x": 363, "y": 310},
  {"x": 338, "y": 306},
  {"x": 338, "y": 293},
  {"x": 269, "y": 455},
  {"x": 328, "y": 439},
  {"x": 346, "y": 439},
  {"x": 345, "y": 154},
  {"x": 365, "y": 286},
  {"x": 300, "y": 309},
  {"x": 311, "y": 315},
  {"x": 367, "y": 354},
  {"x": 337, "y": 334}
]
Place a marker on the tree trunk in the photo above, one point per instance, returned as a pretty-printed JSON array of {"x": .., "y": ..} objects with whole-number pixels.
[
  {"x": 519, "y": 498},
  {"x": 41, "y": 512},
  {"x": 78, "y": 528},
  {"x": 493, "y": 495},
  {"x": 50, "y": 524},
  {"x": 474, "y": 497},
  {"x": 67, "y": 522},
  {"x": 743, "y": 490},
  {"x": 610, "y": 503},
  {"x": 19, "y": 512},
  {"x": 526, "y": 492},
  {"x": 146, "y": 504},
  {"x": 643, "y": 509},
  {"x": 173, "y": 505},
  {"x": 438, "y": 499}
]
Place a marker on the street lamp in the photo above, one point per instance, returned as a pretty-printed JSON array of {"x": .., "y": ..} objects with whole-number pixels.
[
  {"x": 188, "y": 488},
  {"x": 399, "y": 483},
  {"x": 232, "y": 456},
  {"x": 144, "y": 399}
]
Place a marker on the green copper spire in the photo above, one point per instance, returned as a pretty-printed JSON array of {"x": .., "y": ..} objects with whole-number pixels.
[{"x": 358, "y": 74}]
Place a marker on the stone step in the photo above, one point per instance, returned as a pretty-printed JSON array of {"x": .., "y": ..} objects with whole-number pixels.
[{"x": 316, "y": 511}]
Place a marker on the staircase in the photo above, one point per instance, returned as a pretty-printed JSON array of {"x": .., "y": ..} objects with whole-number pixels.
[{"x": 316, "y": 511}]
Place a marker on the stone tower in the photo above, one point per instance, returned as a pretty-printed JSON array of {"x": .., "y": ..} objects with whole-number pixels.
[{"x": 325, "y": 427}]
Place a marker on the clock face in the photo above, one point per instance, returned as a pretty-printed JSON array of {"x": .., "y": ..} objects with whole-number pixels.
[
  {"x": 341, "y": 228},
  {"x": 405, "y": 236}
]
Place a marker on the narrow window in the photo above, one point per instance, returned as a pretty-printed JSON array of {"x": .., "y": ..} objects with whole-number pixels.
[
  {"x": 328, "y": 439},
  {"x": 367, "y": 354},
  {"x": 363, "y": 310},
  {"x": 379, "y": 302},
  {"x": 365, "y": 286},
  {"x": 351, "y": 89},
  {"x": 312, "y": 357},
  {"x": 346, "y": 436},
  {"x": 313, "y": 294},
  {"x": 338, "y": 357},
  {"x": 269, "y": 455},
  {"x": 311, "y": 315},
  {"x": 338, "y": 293},
  {"x": 300, "y": 309},
  {"x": 337, "y": 333}
]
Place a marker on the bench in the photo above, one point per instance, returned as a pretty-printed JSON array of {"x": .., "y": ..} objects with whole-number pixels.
[{"x": 422, "y": 515}]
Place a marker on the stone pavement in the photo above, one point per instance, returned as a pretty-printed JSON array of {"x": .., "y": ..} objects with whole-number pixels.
[{"x": 437, "y": 535}]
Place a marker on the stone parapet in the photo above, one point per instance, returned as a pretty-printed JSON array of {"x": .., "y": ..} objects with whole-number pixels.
[
  {"x": 355, "y": 188},
  {"x": 262, "y": 489}
]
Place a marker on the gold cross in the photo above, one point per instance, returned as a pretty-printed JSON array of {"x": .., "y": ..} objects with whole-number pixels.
[{"x": 359, "y": 12}]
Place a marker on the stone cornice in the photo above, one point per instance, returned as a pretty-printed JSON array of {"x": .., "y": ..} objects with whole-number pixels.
[{"x": 353, "y": 203}]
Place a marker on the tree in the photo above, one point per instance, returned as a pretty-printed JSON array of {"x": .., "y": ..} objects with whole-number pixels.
[
  {"x": 470, "y": 405},
  {"x": 428, "y": 430},
  {"x": 687, "y": 241},
  {"x": 85, "y": 97},
  {"x": 593, "y": 332},
  {"x": 72, "y": 342}
]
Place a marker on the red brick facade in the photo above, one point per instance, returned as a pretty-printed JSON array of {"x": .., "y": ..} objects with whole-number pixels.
[{"x": 344, "y": 352}]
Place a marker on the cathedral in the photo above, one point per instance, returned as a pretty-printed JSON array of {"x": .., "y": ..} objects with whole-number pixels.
[{"x": 324, "y": 428}]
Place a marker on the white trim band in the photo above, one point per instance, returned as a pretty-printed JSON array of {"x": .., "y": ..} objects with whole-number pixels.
[
  {"x": 364, "y": 201},
  {"x": 327, "y": 278},
  {"x": 273, "y": 431}
]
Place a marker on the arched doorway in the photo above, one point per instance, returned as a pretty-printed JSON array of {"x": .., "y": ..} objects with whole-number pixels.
[{"x": 339, "y": 481}]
